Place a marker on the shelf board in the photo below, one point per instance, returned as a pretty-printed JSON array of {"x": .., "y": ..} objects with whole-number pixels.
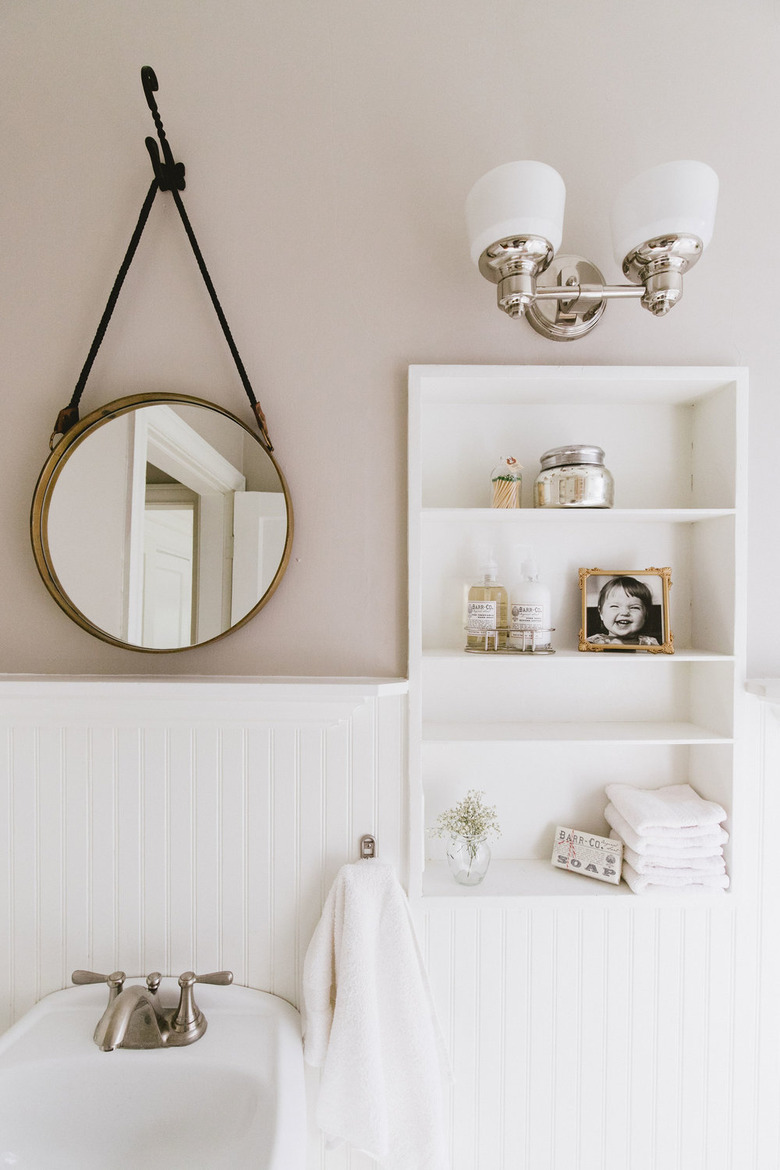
[
  {"x": 575, "y": 515},
  {"x": 680, "y": 655},
  {"x": 565, "y": 732},
  {"x": 539, "y": 879},
  {"x": 524, "y": 385}
]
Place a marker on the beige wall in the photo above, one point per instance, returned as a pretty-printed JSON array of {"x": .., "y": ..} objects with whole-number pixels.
[{"x": 329, "y": 147}]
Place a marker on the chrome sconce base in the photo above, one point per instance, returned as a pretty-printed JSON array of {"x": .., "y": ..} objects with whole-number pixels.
[
  {"x": 564, "y": 297},
  {"x": 572, "y": 315}
]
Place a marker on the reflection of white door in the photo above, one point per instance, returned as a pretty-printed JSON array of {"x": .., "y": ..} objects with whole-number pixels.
[
  {"x": 168, "y": 575},
  {"x": 259, "y": 535}
]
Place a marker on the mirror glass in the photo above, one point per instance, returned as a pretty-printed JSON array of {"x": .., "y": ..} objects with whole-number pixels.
[{"x": 161, "y": 523}]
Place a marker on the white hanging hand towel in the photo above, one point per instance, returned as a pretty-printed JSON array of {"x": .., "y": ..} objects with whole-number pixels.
[
  {"x": 678, "y": 808},
  {"x": 370, "y": 1024},
  {"x": 690, "y": 843}
]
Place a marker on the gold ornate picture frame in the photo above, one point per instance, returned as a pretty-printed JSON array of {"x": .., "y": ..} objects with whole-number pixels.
[{"x": 626, "y": 609}]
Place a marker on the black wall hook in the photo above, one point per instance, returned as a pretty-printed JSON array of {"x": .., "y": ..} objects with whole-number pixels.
[{"x": 168, "y": 173}]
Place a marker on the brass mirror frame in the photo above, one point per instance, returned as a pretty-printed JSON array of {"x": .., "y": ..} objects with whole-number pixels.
[{"x": 50, "y": 474}]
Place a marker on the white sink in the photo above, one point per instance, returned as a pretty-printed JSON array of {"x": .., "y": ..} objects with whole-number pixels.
[{"x": 233, "y": 1099}]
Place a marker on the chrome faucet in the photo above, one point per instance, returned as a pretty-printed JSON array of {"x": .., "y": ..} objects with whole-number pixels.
[{"x": 135, "y": 1017}]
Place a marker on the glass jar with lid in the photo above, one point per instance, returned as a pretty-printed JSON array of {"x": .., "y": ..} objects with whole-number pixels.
[{"x": 574, "y": 477}]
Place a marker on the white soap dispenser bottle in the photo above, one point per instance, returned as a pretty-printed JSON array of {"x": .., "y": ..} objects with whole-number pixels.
[{"x": 529, "y": 610}]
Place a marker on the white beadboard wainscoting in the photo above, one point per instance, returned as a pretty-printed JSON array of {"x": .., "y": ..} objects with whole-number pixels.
[
  {"x": 166, "y": 825},
  {"x": 621, "y": 1033},
  {"x": 174, "y": 824}
]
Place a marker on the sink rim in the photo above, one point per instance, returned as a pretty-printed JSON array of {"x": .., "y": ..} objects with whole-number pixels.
[
  {"x": 89, "y": 1001},
  {"x": 253, "y": 1035}
]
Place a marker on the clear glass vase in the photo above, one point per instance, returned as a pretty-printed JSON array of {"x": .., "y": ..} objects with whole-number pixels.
[{"x": 468, "y": 860}]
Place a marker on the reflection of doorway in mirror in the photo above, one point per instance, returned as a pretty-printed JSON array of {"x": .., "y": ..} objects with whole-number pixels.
[
  {"x": 169, "y": 531},
  {"x": 167, "y": 449}
]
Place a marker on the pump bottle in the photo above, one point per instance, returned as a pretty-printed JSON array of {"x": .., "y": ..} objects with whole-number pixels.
[
  {"x": 529, "y": 609},
  {"x": 486, "y": 610}
]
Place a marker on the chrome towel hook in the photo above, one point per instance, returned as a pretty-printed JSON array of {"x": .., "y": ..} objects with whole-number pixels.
[{"x": 367, "y": 846}]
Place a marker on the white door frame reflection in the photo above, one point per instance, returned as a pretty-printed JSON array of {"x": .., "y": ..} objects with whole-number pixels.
[
  {"x": 162, "y": 439},
  {"x": 91, "y": 553}
]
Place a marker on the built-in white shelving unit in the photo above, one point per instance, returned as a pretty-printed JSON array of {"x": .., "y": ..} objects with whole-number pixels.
[{"x": 543, "y": 735}]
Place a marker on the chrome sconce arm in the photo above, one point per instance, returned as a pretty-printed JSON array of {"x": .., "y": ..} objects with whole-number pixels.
[{"x": 669, "y": 210}]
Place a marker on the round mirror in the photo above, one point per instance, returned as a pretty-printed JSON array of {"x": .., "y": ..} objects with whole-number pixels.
[{"x": 160, "y": 522}]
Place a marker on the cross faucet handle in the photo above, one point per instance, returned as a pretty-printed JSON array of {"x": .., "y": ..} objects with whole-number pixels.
[{"x": 115, "y": 981}]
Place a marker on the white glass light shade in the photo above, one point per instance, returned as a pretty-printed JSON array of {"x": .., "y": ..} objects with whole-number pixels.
[
  {"x": 674, "y": 198},
  {"x": 515, "y": 199}
]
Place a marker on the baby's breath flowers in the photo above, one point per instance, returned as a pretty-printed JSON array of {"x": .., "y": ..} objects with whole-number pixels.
[{"x": 470, "y": 819}]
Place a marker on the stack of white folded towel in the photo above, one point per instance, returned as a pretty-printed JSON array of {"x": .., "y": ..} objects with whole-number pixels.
[{"x": 672, "y": 838}]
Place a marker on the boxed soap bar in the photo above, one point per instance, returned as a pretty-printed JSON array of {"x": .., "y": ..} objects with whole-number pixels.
[{"x": 588, "y": 854}]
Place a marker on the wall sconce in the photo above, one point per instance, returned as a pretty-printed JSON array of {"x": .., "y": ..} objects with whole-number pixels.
[{"x": 661, "y": 223}]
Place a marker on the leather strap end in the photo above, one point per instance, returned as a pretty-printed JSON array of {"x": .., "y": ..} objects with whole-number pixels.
[
  {"x": 67, "y": 418},
  {"x": 262, "y": 425}
]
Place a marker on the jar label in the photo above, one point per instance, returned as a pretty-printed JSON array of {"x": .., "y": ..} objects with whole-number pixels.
[
  {"x": 527, "y": 617},
  {"x": 482, "y": 615}
]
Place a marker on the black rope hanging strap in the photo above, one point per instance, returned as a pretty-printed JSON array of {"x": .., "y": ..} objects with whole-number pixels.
[
  {"x": 69, "y": 415},
  {"x": 168, "y": 176}
]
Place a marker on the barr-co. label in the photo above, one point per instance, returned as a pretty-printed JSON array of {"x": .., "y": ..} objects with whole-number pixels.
[{"x": 586, "y": 853}]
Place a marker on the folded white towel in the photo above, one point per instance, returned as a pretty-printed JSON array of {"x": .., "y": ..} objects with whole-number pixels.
[
  {"x": 651, "y": 863},
  {"x": 641, "y": 883},
  {"x": 662, "y": 811},
  {"x": 700, "y": 842},
  {"x": 370, "y": 1024}
]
